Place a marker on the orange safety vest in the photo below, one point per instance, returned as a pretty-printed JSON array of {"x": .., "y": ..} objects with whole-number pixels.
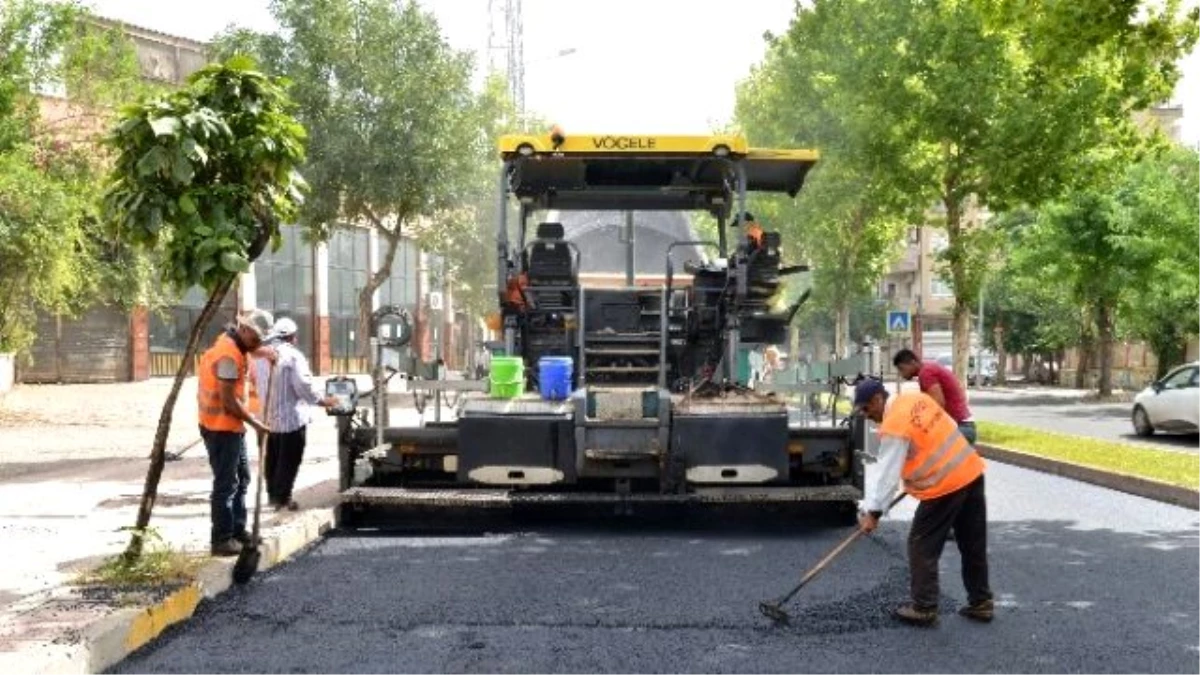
[
  {"x": 940, "y": 460},
  {"x": 754, "y": 233},
  {"x": 515, "y": 291},
  {"x": 212, "y": 412}
]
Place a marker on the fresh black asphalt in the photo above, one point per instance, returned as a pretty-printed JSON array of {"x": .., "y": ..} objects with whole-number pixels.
[{"x": 1086, "y": 580}]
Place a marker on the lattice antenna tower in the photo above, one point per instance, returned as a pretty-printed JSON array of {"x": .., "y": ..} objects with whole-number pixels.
[{"x": 506, "y": 46}]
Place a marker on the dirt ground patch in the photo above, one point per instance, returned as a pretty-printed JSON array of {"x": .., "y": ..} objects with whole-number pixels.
[{"x": 53, "y": 423}]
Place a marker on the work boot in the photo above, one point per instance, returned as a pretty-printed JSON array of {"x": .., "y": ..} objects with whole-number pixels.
[
  {"x": 227, "y": 548},
  {"x": 915, "y": 616},
  {"x": 983, "y": 611}
]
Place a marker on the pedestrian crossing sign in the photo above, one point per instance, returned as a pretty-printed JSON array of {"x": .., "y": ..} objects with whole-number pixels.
[{"x": 899, "y": 321}]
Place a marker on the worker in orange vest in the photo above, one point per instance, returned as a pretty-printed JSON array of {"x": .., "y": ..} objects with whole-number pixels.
[
  {"x": 922, "y": 447},
  {"x": 754, "y": 231},
  {"x": 515, "y": 293},
  {"x": 228, "y": 401}
]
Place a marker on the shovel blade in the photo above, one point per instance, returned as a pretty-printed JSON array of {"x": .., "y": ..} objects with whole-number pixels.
[
  {"x": 247, "y": 564},
  {"x": 774, "y": 612}
]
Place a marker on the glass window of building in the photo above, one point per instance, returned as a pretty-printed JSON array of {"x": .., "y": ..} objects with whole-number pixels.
[{"x": 284, "y": 285}]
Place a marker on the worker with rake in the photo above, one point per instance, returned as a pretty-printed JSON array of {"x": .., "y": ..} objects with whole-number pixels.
[{"x": 921, "y": 446}]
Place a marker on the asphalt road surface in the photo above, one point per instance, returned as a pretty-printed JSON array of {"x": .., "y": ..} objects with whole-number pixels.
[
  {"x": 1065, "y": 412},
  {"x": 1087, "y": 580}
]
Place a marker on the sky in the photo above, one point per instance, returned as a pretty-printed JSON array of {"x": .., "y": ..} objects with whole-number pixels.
[{"x": 639, "y": 66}]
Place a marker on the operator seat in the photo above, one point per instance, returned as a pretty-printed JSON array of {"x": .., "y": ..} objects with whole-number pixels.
[
  {"x": 554, "y": 293},
  {"x": 550, "y": 259}
]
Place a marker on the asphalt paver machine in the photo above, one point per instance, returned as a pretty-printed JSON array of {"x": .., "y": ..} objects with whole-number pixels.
[{"x": 659, "y": 409}]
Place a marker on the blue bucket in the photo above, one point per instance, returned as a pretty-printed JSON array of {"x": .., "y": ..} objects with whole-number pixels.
[{"x": 554, "y": 377}]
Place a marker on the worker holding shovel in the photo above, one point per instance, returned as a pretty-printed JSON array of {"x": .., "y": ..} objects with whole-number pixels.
[{"x": 921, "y": 446}]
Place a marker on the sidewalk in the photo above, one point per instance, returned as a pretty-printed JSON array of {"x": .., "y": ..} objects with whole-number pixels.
[{"x": 73, "y": 460}]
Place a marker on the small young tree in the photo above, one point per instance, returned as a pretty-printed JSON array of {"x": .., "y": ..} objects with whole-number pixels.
[{"x": 204, "y": 176}]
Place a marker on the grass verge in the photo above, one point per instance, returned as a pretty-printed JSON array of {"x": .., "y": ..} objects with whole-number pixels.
[
  {"x": 1165, "y": 466},
  {"x": 159, "y": 565}
]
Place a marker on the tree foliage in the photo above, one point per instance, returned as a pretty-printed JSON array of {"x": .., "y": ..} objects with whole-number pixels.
[
  {"x": 54, "y": 255},
  {"x": 395, "y": 138},
  {"x": 978, "y": 103},
  {"x": 470, "y": 252},
  {"x": 1094, "y": 264},
  {"x": 1161, "y": 197},
  {"x": 205, "y": 175},
  {"x": 846, "y": 220}
]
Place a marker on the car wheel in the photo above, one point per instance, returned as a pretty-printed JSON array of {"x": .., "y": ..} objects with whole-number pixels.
[{"x": 1141, "y": 422}]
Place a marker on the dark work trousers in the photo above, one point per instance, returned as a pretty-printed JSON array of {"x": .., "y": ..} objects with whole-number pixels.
[
  {"x": 231, "y": 480},
  {"x": 966, "y": 511},
  {"x": 285, "y": 452}
]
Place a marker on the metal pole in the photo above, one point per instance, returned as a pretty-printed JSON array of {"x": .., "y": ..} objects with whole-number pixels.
[
  {"x": 381, "y": 398},
  {"x": 629, "y": 249},
  {"x": 501, "y": 236},
  {"x": 581, "y": 318},
  {"x": 918, "y": 323},
  {"x": 437, "y": 374}
]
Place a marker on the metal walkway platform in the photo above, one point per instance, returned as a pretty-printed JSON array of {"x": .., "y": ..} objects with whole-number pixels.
[{"x": 499, "y": 499}]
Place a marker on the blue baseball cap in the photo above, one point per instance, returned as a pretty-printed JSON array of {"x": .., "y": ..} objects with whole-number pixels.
[{"x": 866, "y": 390}]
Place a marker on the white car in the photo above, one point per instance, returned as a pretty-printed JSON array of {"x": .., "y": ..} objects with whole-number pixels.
[{"x": 1171, "y": 404}]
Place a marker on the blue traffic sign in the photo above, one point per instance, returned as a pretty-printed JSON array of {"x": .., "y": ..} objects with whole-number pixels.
[{"x": 899, "y": 321}]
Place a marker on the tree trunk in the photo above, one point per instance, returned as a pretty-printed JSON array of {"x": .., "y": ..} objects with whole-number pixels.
[
  {"x": 1085, "y": 350},
  {"x": 1001, "y": 356},
  {"x": 1104, "y": 321},
  {"x": 841, "y": 331},
  {"x": 366, "y": 297},
  {"x": 961, "y": 339},
  {"x": 1168, "y": 350},
  {"x": 158, "y": 453},
  {"x": 1083, "y": 363},
  {"x": 1027, "y": 366},
  {"x": 961, "y": 322}
]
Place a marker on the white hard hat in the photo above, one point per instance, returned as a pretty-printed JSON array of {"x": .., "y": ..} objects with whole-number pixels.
[{"x": 284, "y": 327}]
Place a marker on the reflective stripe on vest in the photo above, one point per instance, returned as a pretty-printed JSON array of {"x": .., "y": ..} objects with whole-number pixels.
[
  {"x": 924, "y": 482},
  {"x": 940, "y": 459}
]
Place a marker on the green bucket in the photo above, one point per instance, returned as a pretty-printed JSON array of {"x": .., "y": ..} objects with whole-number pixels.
[{"x": 507, "y": 378}]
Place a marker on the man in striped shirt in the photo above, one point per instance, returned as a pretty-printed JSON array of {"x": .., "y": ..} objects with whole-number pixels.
[{"x": 288, "y": 414}]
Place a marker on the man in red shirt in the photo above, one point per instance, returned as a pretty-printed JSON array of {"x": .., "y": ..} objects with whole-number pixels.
[{"x": 940, "y": 384}]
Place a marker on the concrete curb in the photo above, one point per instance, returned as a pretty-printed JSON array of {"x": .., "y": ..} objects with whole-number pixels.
[
  {"x": 108, "y": 640},
  {"x": 1162, "y": 492}
]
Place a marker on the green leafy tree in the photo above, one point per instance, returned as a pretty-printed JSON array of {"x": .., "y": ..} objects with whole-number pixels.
[
  {"x": 990, "y": 103},
  {"x": 1162, "y": 216},
  {"x": 395, "y": 139},
  {"x": 1076, "y": 242},
  {"x": 53, "y": 252},
  {"x": 848, "y": 220},
  {"x": 40, "y": 230},
  {"x": 470, "y": 249},
  {"x": 205, "y": 176},
  {"x": 1092, "y": 261}
]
